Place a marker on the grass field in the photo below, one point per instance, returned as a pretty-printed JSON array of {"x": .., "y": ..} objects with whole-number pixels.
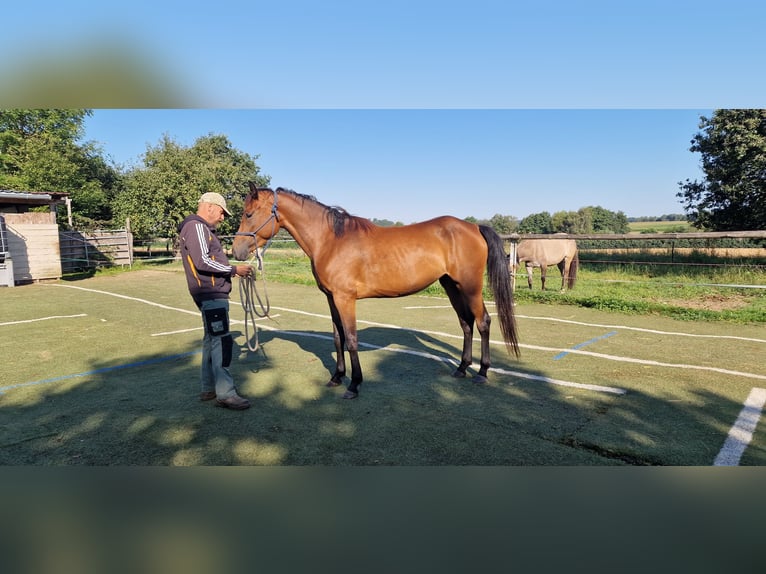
[
  {"x": 103, "y": 371},
  {"x": 661, "y": 227}
]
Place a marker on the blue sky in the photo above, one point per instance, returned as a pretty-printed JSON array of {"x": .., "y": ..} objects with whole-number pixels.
[
  {"x": 406, "y": 109},
  {"x": 415, "y": 53},
  {"x": 410, "y": 165}
]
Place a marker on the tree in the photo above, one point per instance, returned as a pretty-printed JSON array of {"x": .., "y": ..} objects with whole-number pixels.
[
  {"x": 536, "y": 223},
  {"x": 503, "y": 224},
  {"x": 39, "y": 151},
  {"x": 733, "y": 195},
  {"x": 159, "y": 195},
  {"x": 569, "y": 222},
  {"x": 604, "y": 221}
]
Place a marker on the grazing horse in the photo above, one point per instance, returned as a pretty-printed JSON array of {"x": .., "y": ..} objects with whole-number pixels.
[
  {"x": 352, "y": 258},
  {"x": 544, "y": 252}
]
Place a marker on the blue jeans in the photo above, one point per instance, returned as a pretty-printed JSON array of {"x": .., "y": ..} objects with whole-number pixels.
[{"x": 217, "y": 352}]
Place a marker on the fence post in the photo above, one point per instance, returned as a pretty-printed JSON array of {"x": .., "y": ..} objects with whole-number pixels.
[{"x": 512, "y": 263}]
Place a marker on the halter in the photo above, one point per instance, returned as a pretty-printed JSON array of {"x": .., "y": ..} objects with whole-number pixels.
[{"x": 274, "y": 217}]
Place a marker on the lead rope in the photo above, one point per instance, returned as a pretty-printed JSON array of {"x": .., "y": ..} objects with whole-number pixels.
[
  {"x": 248, "y": 292},
  {"x": 252, "y": 302}
]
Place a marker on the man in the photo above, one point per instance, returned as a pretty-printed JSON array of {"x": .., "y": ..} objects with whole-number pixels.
[{"x": 208, "y": 275}]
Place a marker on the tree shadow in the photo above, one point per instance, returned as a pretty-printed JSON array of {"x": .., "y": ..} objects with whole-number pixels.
[{"x": 410, "y": 412}]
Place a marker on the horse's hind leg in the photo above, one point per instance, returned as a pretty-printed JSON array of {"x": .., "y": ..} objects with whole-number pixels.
[
  {"x": 466, "y": 323},
  {"x": 564, "y": 269},
  {"x": 482, "y": 325}
]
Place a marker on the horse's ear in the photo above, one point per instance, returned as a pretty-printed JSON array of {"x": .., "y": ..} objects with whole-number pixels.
[{"x": 253, "y": 189}]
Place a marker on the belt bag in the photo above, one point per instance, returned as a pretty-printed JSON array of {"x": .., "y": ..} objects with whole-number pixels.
[{"x": 217, "y": 321}]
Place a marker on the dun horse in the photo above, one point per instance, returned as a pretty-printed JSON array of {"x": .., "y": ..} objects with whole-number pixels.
[
  {"x": 352, "y": 259},
  {"x": 545, "y": 252}
]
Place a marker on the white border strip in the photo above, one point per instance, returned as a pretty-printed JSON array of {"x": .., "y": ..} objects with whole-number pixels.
[
  {"x": 741, "y": 433},
  {"x": 43, "y": 319},
  {"x": 625, "y": 327},
  {"x": 558, "y": 350},
  {"x": 450, "y": 361},
  {"x": 440, "y": 334},
  {"x": 613, "y": 390},
  {"x": 656, "y": 332}
]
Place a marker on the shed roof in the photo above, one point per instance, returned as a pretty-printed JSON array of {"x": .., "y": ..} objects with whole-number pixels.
[{"x": 10, "y": 196}]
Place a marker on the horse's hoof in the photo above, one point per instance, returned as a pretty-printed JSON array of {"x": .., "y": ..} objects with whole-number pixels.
[
  {"x": 332, "y": 383},
  {"x": 350, "y": 395},
  {"x": 479, "y": 380},
  {"x": 459, "y": 374}
]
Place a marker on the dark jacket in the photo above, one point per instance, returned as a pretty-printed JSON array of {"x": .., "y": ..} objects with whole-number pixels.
[{"x": 208, "y": 273}]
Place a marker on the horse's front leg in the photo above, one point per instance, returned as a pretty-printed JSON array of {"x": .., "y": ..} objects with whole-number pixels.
[
  {"x": 346, "y": 310},
  {"x": 339, "y": 338}
]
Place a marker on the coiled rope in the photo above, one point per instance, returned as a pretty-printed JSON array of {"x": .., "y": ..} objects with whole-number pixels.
[
  {"x": 252, "y": 303},
  {"x": 248, "y": 292}
]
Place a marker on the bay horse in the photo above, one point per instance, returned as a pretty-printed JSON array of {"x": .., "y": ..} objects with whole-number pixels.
[
  {"x": 352, "y": 258},
  {"x": 545, "y": 252}
]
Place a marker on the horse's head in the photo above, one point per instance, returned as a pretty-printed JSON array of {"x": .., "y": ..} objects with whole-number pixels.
[{"x": 260, "y": 221}]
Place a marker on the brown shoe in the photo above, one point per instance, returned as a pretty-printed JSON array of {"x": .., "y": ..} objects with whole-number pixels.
[
  {"x": 207, "y": 395},
  {"x": 236, "y": 403}
]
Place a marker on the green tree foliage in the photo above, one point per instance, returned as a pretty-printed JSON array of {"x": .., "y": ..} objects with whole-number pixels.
[
  {"x": 537, "y": 223},
  {"x": 568, "y": 222},
  {"x": 502, "y": 224},
  {"x": 39, "y": 151},
  {"x": 386, "y": 222},
  {"x": 160, "y": 194},
  {"x": 605, "y": 221},
  {"x": 586, "y": 220},
  {"x": 733, "y": 195}
]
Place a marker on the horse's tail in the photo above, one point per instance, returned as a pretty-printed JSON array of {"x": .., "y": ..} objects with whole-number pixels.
[
  {"x": 499, "y": 275},
  {"x": 573, "y": 270}
]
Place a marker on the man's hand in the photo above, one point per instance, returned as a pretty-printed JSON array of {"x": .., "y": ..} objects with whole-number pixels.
[{"x": 243, "y": 270}]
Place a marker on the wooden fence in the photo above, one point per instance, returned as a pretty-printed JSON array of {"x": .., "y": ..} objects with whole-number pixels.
[
  {"x": 33, "y": 246},
  {"x": 81, "y": 251},
  {"x": 601, "y": 242}
]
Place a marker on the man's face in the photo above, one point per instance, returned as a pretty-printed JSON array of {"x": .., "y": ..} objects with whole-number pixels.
[{"x": 213, "y": 214}]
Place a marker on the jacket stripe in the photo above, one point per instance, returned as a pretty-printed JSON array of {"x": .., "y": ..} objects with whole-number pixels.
[{"x": 200, "y": 228}]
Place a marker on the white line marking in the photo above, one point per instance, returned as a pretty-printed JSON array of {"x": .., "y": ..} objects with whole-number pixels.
[
  {"x": 654, "y": 331},
  {"x": 558, "y": 350},
  {"x": 450, "y": 361},
  {"x": 448, "y": 335},
  {"x": 176, "y": 332},
  {"x": 741, "y": 433},
  {"x": 232, "y": 321},
  {"x": 43, "y": 319},
  {"x": 644, "y": 361},
  {"x": 368, "y": 345},
  {"x": 161, "y": 306}
]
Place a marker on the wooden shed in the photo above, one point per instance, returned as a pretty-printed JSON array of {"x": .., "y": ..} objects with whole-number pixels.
[{"x": 32, "y": 236}]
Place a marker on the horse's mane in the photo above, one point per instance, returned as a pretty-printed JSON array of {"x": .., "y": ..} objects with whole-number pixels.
[{"x": 338, "y": 218}]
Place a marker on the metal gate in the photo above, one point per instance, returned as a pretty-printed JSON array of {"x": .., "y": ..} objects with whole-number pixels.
[{"x": 82, "y": 251}]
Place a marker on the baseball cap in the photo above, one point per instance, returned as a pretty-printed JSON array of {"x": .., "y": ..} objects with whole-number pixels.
[{"x": 215, "y": 199}]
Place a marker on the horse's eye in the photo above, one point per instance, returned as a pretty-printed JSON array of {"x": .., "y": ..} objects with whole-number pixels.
[{"x": 249, "y": 215}]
